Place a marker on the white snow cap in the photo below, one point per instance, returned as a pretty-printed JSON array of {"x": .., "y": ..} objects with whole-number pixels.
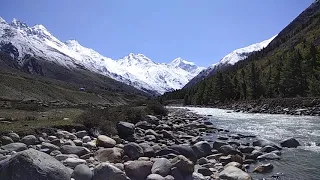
[
  {"x": 240, "y": 54},
  {"x": 2, "y": 20}
]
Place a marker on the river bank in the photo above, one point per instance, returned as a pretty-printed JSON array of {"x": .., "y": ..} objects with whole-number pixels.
[{"x": 182, "y": 145}]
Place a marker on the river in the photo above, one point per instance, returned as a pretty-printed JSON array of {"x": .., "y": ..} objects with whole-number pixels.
[{"x": 302, "y": 163}]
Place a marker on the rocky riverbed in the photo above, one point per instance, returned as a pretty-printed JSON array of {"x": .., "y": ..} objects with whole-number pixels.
[
  {"x": 291, "y": 106},
  {"x": 180, "y": 146}
]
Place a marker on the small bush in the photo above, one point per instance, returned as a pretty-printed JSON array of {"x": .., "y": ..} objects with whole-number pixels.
[
  {"x": 157, "y": 109},
  {"x": 106, "y": 119}
]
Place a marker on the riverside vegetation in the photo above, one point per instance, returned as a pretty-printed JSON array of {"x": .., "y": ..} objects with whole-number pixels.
[{"x": 138, "y": 142}]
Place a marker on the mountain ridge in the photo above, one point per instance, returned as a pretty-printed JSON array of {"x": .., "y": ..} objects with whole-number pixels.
[
  {"x": 229, "y": 60},
  {"x": 37, "y": 41}
]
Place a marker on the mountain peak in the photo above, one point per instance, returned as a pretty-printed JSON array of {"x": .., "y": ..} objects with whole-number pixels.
[
  {"x": 2, "y": 20},
  {"x": 179, "y": 61},
  {"x": 18, "y": 24},
  {"x": 72, "y": 42}
]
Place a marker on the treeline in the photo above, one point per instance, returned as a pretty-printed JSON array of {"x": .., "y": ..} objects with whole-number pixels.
[
  {"x": 295, "y": 73},
  {"x": 288, "y": 67}
]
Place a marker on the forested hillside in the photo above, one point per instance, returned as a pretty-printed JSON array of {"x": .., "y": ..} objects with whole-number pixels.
[{"x": 288, "y": 67}]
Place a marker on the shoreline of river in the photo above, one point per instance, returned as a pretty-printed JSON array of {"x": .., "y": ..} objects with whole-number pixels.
[
  {"x": 186, "y": 142},
  {"x": 308, "y": 106}
]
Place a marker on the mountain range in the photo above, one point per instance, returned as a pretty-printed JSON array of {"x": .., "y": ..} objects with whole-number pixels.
[
  {"x": 22, "y": 42},
  {"x": 229, "y": 60}
]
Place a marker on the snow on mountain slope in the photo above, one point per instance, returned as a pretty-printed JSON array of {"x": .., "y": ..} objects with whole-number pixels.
[
  {"x": 229, "y": 59},
  {"x": 135, "y": 69},
  {"x": 242, "y": 53}
]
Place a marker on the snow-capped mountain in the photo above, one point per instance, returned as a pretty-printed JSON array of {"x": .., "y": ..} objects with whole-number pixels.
[
  {"x": 229, "y": 60},
  {"x": 135, "y": 69}
]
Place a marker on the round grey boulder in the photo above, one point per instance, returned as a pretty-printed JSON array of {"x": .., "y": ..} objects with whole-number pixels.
[
  {"x": 155, "y": 177},
  {"x": 29, "y": 140},
  {"x": 105, "y": 141},
  {"x": 138, "y": 170},
  {"x": 82, "y": 172},
  {"x": 161, "y": 166},
  {"x": 234, "y": 173},
  {"x": 112, "y": 155},
  {"x": 33, "y": 164},
  {"x": 4, "y": 140},
  {"x": 107, "y": 171},
  {"x": 133, "y": 150},
  {"x": 183, "y": 164},
  {"x": 14, "y": 136}
]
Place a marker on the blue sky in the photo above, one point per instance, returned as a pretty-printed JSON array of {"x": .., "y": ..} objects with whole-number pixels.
[{"x": 202, "y": 31}]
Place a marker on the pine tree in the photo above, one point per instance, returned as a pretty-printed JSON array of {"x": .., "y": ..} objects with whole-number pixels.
[{"x": 292, "y": 81}]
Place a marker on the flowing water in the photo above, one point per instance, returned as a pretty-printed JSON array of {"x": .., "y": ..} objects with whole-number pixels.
[{"x": 302, "y": 163}]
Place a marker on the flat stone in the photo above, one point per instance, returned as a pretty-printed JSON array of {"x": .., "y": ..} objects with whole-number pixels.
[{"x": 15, "y": 147}]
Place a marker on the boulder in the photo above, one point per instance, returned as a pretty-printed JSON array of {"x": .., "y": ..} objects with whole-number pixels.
[
  {"x": 112, "y": 155},
  {"x": 205, "y": 171},
  {"x": 82, "y": 172},
  {"x": 14, "y": 136},
  {"x": 152, "y": 119},
  {"x": 186, "y": 151},
  {"x": 263, "y": 168},
  {"x": 62, "y": 157},
  {"x": 268, "y": 149},
  {"x": 4, "y": 140},
  {"x": 143, "y": 125},
  {"x": 147, "y": 150},
  {"x": 183, "y": 164},
  {"x": 133, "y": 150},
  {"x": 138, "y": 170},
  {"x": 166, "y": 151},
  {"x": 269, "y": 156},
  {"x": 202, "y": 149},
  {"x": 73, "y": 162},
  {"x": 246, "y": 149},
  {"x": 15, "y": 147},
  {"x": 169, "y": 177},
  {"x": 234, "y": 164},
  {"x": 81, "y": 134},
  {"x": 86, "y": 139},
  {"x": 217, "y": 144},
  {"x": 67, "y": 149},
  {"x": 29, "y": 140},
  {"x": 234, "y": 173},
  {"x": 228, "y": 149},
  {"x": 264, "y": 142},
  {"x": 125, "y": 129},
  {"x": 161, "y": 166},
  {"x": 155, "y": 177},
  {"x": 290, "y": 143},
  {"x": 33, "y": 164},
  {"x": 105, "y": 141},
  {"x": 202, "y": 161},
  {"x": 107, "y": 171},
  {"x": 49, "y": 146}
]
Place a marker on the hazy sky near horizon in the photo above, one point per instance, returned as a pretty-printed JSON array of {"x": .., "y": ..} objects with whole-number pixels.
[{"x": 200, "y": 31}]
